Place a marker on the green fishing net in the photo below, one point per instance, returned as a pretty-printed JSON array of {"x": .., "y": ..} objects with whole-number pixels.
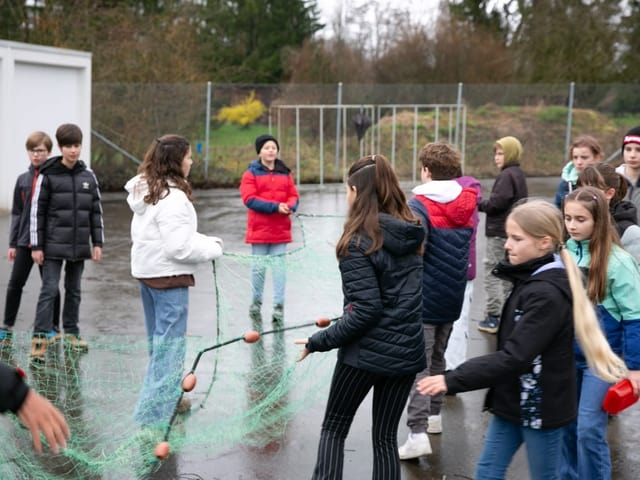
[{"x": 245, "y": 394}]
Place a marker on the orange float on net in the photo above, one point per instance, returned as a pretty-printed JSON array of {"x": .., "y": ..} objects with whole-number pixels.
[
  {"x": 189, "y": 382},
  {"x": 251, "y": 336},
  {"x": 323, "y": 322},
  {"x": 162, "y": 450}
]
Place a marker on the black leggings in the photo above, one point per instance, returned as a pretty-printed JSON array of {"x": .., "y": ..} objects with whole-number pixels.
[{"x": 349, "y": 387}]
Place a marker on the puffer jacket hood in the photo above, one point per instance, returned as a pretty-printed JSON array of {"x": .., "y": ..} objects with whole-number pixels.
[
  {"x": 441, "y": 191},
  {"x": 624, "y": 214},
  {"x": 138, "y": 188},
  {"x": 400, "y": 237}
]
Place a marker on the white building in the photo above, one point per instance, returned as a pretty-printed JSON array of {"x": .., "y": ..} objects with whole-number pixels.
[{"x": 40, "y": 89}]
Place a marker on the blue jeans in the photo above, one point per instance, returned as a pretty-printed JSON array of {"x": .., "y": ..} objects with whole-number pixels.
[
  {"x": 51, "y": 271},
  {"x": 165, "y": 315},
  {"x": 275, "y": 253},
  {"x": 585, "y": 452},
  {"x": 503, "y": 440}
]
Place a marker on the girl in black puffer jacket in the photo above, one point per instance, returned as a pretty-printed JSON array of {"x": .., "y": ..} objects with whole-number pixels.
[{"x": 379, "y": 336}]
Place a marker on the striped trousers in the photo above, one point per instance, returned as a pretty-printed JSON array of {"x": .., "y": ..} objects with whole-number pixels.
[{"x": 349, "y": 387}]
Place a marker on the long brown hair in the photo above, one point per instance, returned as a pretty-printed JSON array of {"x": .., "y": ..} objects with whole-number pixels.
[
  {"x": 601, "y": 241},
  {"x": 604, "y": 177},
  {"x": 162, "y": 167},
  {"x": 377, "y": 191}
]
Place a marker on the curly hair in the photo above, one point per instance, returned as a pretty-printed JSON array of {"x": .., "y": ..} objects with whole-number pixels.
[{"x": 162, "y": 167}]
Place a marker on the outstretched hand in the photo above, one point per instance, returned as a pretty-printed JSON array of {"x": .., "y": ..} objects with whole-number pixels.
[
  {"x": 432, "y": 385},
  {"x": 305, "y": 351},
  {"x": 39, "y": 415}
]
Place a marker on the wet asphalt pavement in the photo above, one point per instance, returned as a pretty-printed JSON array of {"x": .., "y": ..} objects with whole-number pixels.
[{"x": 111, "y": 306}]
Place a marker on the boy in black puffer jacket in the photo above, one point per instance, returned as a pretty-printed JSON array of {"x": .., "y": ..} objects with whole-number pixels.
[{"x": 66, "y": 218}]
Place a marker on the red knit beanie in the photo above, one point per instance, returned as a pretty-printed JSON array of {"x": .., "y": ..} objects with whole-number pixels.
[{"x": 632, "y": 136}]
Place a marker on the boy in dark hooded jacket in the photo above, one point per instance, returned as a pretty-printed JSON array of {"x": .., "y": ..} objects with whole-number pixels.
[{"x": 445, "y": 210}]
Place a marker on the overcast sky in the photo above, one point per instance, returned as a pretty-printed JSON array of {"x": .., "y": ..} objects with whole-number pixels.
[{"x": 425, "y": 9}]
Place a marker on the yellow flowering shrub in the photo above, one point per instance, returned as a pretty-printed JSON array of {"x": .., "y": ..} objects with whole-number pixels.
[{"x": 244, "y": 113}]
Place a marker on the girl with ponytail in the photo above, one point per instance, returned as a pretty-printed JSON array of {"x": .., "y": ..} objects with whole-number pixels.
[
  {"x": 612, "y": 284},
  {"x": 379, "y": 337},
  {"x": 532, "y": 375}
]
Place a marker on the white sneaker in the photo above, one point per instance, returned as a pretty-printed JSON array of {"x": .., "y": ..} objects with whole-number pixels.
[
  {"x": 435, "y": 424},
  {"x": 417, "y": 445}
]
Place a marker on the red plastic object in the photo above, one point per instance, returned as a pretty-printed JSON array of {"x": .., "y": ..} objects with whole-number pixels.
[{"x": 619, "y": 397}]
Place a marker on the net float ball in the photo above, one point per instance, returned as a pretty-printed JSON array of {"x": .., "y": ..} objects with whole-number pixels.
[
  {"x": 251, "y": 336},
  {"x": 189, "y": 382},
  {"x": 323, "y": 322},
  {"x": 162, "y": 450}
]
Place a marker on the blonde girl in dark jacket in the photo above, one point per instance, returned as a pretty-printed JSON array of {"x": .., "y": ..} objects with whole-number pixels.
[{"x": 531, "y": 376}]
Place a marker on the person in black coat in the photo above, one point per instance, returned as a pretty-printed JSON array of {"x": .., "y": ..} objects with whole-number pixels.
[
  {"x": 66, "y": 219},
  {"x": 379, "y": 337},
  {"x": 38, "y": 146},
  {"x": 509, "y": 187},
  {"x": 36, "y": 412},
  {"x": 532, "y": 375}
]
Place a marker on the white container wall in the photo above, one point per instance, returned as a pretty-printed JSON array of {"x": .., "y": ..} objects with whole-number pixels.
[{"x": 40, "y": 89}]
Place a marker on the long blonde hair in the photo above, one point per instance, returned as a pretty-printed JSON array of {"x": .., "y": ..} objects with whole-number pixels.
[{"x": 540, "y": 219}]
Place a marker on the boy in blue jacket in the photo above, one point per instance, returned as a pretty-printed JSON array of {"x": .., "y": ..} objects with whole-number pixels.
[{"x": 445, "y": 210}]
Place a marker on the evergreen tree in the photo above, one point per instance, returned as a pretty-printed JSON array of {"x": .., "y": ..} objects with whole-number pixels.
[{"x": 245, "y": 40}]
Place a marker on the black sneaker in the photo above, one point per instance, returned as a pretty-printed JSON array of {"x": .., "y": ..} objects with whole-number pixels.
[{"x": 489, "y": 324}]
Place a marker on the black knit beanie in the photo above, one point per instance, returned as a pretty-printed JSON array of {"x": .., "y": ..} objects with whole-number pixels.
[
  {"x": 262, "y": 139},
  {"x": 632, "y": 136}
]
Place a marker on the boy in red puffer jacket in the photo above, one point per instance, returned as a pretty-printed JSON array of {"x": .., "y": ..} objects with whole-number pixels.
[
  {"x": 270, "y": 195},
  {"x": 445, "y": 210}
]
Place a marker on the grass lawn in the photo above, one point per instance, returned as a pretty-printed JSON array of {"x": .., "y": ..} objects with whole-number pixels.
[{"x": 227, "y": 135}]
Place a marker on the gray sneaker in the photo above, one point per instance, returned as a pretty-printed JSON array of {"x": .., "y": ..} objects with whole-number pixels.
[
  {"x": 278, "y": 313},
  {"x": 254, "y": 310}
]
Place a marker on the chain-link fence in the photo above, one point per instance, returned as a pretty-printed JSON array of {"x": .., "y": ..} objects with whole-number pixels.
[{"x": 323, "y": 128}]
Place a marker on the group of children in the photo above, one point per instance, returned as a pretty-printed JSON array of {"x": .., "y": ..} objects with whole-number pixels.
[
  {"x": 560, "y": 346},
  {"x": 56, "y": 220},
  {"x": 405, "y": 268}
]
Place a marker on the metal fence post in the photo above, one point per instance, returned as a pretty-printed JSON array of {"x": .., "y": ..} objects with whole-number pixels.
[
  {"x": 207, "y": 126},
  {"x": 458, "y": 105},
  {"x": 567, "y": 143},
  {"x": 322, "y": 145},
  {"x": 338, "y": 120},
  {"x": 297, "y": 146}
]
